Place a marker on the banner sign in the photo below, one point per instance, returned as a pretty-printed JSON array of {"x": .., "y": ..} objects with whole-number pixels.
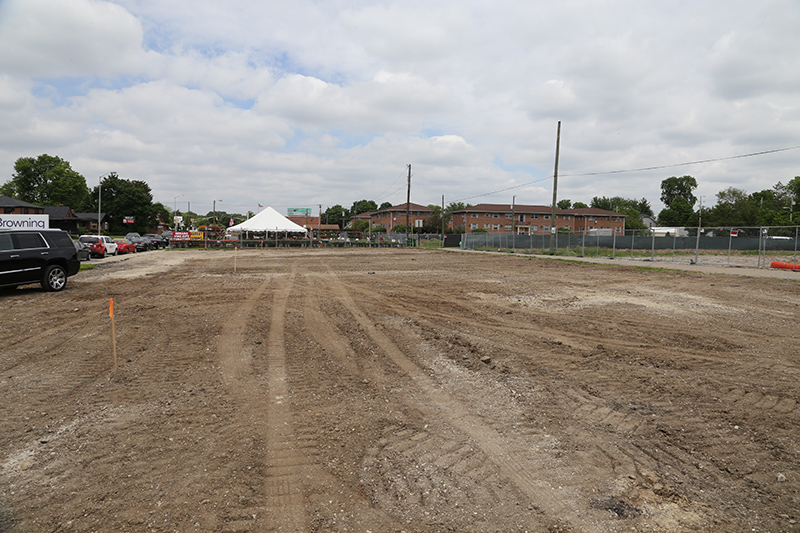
[
  {"x": 128, "y": 220},
  {"x": 24, "y": 221},
  {"x": 180, "y": 236},
  {"x": 298, "y": 212}
]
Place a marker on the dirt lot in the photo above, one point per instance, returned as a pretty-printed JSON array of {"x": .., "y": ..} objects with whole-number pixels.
[{"x": 394, "y": 390}]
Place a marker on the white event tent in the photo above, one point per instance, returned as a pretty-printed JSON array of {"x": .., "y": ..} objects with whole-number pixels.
[{"x": 267, "y": 220}]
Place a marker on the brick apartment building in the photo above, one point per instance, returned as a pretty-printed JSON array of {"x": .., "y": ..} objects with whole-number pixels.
[
  {"x": 396, "y": 216},
  {"x": 535, "y": 219}
]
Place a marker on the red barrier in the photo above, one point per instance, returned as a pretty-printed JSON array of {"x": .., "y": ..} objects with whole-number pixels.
[{"x": 787, "y": 266}]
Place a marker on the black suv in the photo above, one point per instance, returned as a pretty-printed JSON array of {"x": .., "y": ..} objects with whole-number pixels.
[{"x": 37, "y": 256}]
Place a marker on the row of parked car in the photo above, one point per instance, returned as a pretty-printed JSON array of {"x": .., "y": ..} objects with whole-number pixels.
[
  {"x": 89, "y": 246},
  {"x": 50, "y": 256}
]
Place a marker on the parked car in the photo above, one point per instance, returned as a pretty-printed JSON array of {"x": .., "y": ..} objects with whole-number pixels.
[
  {"x": 110, "y": 244},
  {"x": 131, "y": 235},
  {"x": 160, "y": 242},
  {"x": 29, "y": 256},
  {"x": 142, "y": 243},
  {"x": 100, "y": 245},
  {"x": 96, "y": 246},
  {"x": 125, "y": 247},
  {"x": 84, "y": 253}
]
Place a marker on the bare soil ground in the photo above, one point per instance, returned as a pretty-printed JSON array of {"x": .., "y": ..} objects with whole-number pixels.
[{"x": 399, "y": 390}]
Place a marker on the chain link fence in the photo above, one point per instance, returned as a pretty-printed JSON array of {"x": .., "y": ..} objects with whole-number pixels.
[{"x": 754, "y": 247}]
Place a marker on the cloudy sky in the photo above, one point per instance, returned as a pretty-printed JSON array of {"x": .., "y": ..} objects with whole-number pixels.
[{"x": 302, "y": 103}]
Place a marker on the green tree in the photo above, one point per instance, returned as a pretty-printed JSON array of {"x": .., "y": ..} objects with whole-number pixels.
[
  {"x": 734, "y": 207},
  {"x": 564, "y": 204},
  {"x": 579, "y": 205},
  {"x": 336, "y": 215},
  {"x": 385, "y": 205},
  {"x": 125, "y": 198},
  {"x": 46, "y": 180},
  {"x": 634, "y": 209},
  {"x": 360, "y": 225},
  {"x": 680, "y": 213},
  {"x": 363, "y": 206},
  {"x": 162, "y": 214},
  {"x": 674, "y": 188}
]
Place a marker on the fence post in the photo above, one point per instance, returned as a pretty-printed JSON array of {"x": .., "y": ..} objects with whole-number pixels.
[
  {"x": 653, "y": 248},
  {"x": 730, "y": 242},
  {"x": 583, "y": 244},
  {"x": 614, "y": 244},
  {"x": 633, "y": 239},
  {"x": 674, "y": 244}
]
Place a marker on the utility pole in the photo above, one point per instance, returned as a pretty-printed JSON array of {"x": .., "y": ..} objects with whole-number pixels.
[
  {"x": 319, "y": 227},
  {"x": 513, "y": 223},
  {"x": 699, "y": 230},
  {"x": 408, "y": 202},
  {"x": 553, "y": 226},
  {"x": 443, "y": 221}
]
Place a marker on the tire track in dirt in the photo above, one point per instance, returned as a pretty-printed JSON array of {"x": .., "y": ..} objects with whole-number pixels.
[
  {"x": 529, "y": 474},
  {"x": 286, "y": 465}
]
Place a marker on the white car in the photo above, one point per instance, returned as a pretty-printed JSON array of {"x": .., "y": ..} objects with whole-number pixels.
[
  {"x": 109, "y": 247},
  {"x": 110, "y": 244}
]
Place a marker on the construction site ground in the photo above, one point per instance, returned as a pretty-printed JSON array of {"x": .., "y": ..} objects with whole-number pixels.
[{"x": 391, "y": 390}]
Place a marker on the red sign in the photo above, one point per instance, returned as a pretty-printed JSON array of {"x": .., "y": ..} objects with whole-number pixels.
[
  {"x": 128, "y": 220},
  {"x": 180, "y": 236}
]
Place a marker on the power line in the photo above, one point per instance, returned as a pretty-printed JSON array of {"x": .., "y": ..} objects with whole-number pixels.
[
  {"x": 684, "y": 164},
  {"x": 506, "y": 189},
  {"x": 658, "y": 167}
]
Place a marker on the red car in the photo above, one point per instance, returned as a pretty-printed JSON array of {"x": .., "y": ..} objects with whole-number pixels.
[
  {"x": 96, "y": 246},
  {"x": 125, "y": 247}
]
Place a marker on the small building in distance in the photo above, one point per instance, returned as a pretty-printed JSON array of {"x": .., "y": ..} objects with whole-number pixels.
[{"x": 12, "y": 206}]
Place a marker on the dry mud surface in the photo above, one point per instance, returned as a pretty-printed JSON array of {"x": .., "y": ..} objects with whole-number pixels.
[{"x": 399, "y": 390}]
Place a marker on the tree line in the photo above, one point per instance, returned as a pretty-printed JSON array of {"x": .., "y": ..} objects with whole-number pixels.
[{"x": 50, "y": 181}]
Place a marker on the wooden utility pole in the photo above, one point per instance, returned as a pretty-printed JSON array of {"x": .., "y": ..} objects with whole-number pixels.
[
  {"x": 553, "y": 225},
  {"x": 443, "y": 221},
  {"x": 408, "y": 202},
  {"x": 514, "y": 223}
]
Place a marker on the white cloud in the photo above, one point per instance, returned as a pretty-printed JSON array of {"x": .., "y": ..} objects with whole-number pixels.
[
  {"x": 46, "y": 39},
  {"x": 301, "y": 103}
]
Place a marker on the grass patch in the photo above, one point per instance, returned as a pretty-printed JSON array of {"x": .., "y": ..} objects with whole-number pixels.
[{"x": 87, "y": 266}]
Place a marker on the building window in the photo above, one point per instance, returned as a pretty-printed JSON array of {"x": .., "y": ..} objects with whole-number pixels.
[
  {"x": 520, "y": 218},
  {"x": 487, "y": 226},
  {"x": 473, "y": 226},
  {"x": 545, "y": 228},
  {"x": 474, "y": 215},
  {"x": 535, "y": 228},
  {"x": 534, "y": 216},
  {"x": 567, "y": 217},
  {"x": 496, "y": 215},
  {"x": 509, "y": 215},
  {"x": 508, "y": 227},
  {"x": 496, "y": 227},
  {"x": 546, "y": 217}
]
